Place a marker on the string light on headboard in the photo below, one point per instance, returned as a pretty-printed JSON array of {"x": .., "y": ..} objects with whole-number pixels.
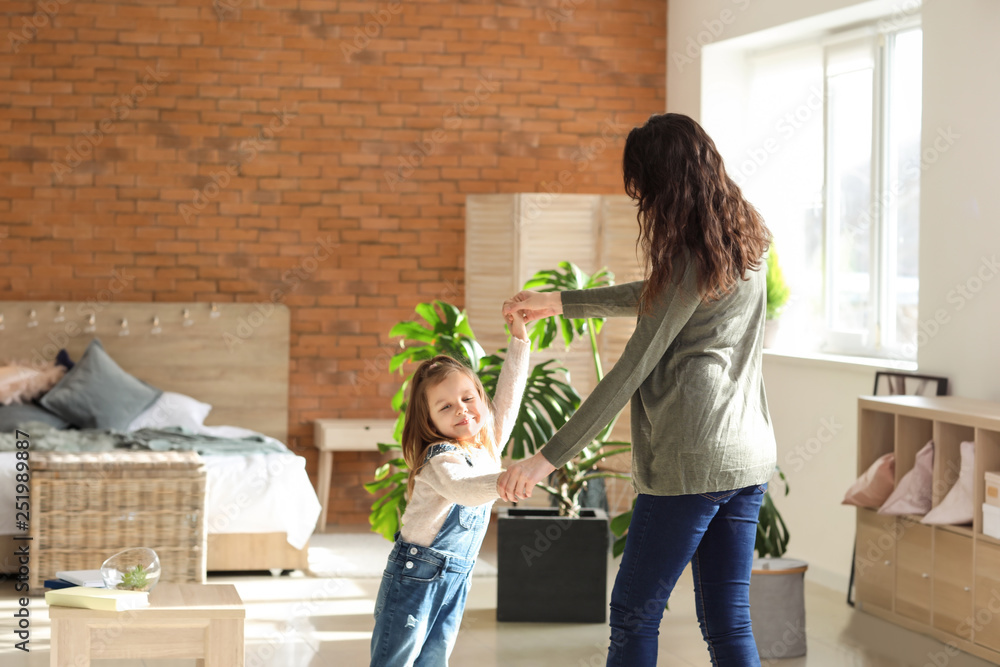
[
  {"x": 60, "y": 314},
  {"x": 32, "y": 319},
  {"x": 187, "y": 318},
  {"x": 91, "y": 324},
  {"x": 1, "y": 321},
  {"x": 215, "y": 311},
  {"x": 156, "y": 326},
  {"x": 123, "y": 331}
]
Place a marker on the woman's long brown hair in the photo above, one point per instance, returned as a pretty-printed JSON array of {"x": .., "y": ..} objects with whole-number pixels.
[
  {"x": 419, "y": 432},
  {"x": 689, "y": 206}
]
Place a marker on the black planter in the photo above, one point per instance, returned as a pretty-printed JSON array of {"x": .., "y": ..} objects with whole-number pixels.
[{"x": 552, "y": 569}]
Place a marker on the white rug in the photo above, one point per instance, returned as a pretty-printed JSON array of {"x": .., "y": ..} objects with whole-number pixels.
[{"x": 360, "y": 555}]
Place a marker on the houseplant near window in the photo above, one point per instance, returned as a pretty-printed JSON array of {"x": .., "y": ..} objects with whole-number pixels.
[
  {"x": 777, "y": 296},
  {"x": 772, "y": 533},
  {"x": 777, "y": 594}
]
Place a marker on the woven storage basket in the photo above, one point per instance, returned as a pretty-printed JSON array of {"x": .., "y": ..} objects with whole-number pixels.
[{"x": 86, "y": 507}]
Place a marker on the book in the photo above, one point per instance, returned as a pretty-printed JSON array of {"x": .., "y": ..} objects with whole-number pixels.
[
  {"x": 108, "y": 599},
  {"x": 58, "y": 583},
  {"x": 89, "y": 578}
]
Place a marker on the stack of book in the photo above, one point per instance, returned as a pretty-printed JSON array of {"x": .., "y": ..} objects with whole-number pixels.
[
  {"x": 69, "y": 578},
  {"x": 109, "y": 599},
  {"x": 85, "y": 589}
]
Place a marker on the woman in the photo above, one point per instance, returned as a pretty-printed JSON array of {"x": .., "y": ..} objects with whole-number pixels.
[{"x": 702, "y": 444}]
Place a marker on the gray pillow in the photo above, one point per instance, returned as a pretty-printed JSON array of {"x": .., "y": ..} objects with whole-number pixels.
[
  {"x": 97, "y": 393},
  {"x": 15, "y": 414}
]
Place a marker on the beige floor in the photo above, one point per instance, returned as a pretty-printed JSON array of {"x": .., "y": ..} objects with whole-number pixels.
[{"x": 297, "y": 621}]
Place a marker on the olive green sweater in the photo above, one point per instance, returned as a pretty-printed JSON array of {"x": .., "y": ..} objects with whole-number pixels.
[{"x": 693, "y": 371}]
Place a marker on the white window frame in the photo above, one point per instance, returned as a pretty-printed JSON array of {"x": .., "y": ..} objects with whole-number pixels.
[{"x": 881, "y": 334}]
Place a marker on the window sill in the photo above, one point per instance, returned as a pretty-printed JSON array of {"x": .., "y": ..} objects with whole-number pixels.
[{"x": 840, "y": 361}]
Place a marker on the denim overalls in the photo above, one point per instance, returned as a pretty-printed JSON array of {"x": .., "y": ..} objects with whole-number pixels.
[{"x": 419, "y": 606}]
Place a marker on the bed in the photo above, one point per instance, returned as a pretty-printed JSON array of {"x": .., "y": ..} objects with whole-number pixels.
[{"x": 261, "y": 507}]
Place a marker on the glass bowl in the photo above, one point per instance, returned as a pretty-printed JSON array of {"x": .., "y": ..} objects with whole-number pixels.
[{"x": 132, "y": 570}]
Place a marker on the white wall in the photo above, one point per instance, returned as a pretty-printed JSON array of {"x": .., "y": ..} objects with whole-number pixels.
[
  {"x": 960, "y": 196},
  {"x": 814, "y": 403}
]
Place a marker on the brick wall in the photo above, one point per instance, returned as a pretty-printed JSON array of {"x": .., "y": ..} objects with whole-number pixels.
[{"x": 216, "y": 149}]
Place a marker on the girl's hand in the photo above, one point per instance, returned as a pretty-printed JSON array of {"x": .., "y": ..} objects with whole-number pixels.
[
  {"x": 534, "y": 305},
  {"x": 520, "y": 478},
  {"x": 517, "y": 328}
]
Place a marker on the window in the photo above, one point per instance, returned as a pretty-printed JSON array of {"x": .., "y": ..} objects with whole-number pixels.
[{"x": 828, "y": 148}]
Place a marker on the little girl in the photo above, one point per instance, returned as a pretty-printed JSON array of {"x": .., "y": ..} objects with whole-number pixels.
[{"x": 452, "y": 441}]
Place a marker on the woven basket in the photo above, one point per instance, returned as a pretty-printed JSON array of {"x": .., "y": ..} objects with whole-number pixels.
[{"x": 86, "y": 507}]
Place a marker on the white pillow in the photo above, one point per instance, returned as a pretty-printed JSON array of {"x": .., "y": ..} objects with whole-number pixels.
[
  {"x": 913, "y": 493},
  {"x": 172, "y": 409},
  {"x": 956, "y": 507}
]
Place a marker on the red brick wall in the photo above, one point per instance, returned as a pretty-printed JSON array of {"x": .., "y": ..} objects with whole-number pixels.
[{"x": 214, "y": 148}]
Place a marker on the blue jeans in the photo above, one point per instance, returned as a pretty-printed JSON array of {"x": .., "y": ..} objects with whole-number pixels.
[
  {"x": 715, "y": 532},
  {"x": 419, "y": 607}
]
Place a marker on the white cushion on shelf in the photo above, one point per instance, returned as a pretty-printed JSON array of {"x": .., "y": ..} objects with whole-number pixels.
[
  {"x": 957, "y": 507},
  {"x": 913, "y": 493}
]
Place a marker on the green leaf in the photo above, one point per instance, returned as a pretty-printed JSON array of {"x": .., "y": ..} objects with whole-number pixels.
[
  {"x": 372, "y": 487},
  {"x": 407, "y": 355},
  {"x": 618, "y": 547},
  {"x": 463, "y": 327},
  {"x": 399, "y": 398},
  {"x": 412, "y": 331},
  {"x": 385, "y": 447},
  {"x": 620, "y": 524},
  {"x": 397, "y": 432},
  {"x": 426, "y": 311},
  {"x": 590, "y": 462}
]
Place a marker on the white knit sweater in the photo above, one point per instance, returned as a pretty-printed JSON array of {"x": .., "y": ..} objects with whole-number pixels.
[{"x": 448, "y": 480}]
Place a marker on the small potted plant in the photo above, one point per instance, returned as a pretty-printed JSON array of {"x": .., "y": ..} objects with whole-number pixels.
[
  {"x": 777, "y": 296},
  {"x": 136, "y": 569},
  {"x": 135, "y": 579}
]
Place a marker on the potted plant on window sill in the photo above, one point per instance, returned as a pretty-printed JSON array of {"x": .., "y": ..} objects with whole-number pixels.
[{"x": 777, "y": 297}]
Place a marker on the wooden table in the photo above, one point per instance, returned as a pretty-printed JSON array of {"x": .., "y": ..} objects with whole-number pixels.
[
  {"x": 198, "y": 621},
  {"x": 345, "y": 435}
]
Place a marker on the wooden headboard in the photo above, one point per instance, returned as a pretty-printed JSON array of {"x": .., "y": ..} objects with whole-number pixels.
[{"x": 234, "y": 356}]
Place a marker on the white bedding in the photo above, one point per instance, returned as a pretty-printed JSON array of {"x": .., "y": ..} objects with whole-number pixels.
[{"x": 258, "y": 493}]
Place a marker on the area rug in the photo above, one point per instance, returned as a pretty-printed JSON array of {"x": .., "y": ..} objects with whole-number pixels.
[{"x": 360, "y": 555}]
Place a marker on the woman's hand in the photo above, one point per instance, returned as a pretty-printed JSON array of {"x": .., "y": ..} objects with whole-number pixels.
[
  {"x": 533, "y": 305},
  {"x": 520, "y": 478}
]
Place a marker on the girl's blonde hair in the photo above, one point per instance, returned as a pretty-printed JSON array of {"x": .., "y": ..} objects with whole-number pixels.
[{"x": 419, "y": 431}]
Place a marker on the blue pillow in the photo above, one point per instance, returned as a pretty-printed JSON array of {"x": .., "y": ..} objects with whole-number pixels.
[
  {"x": 97, "y": 393},
  {"x": 15, "y": 414}
]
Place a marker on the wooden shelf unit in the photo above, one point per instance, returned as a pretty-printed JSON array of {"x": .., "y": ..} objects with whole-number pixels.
[{"x": 942, "y": 581}]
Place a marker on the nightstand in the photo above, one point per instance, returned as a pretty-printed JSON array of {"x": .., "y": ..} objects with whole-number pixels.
[{"x": 345, "y": 435}]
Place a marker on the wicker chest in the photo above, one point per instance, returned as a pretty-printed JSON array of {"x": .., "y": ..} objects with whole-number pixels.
[{"x": 86, "y": 507}]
